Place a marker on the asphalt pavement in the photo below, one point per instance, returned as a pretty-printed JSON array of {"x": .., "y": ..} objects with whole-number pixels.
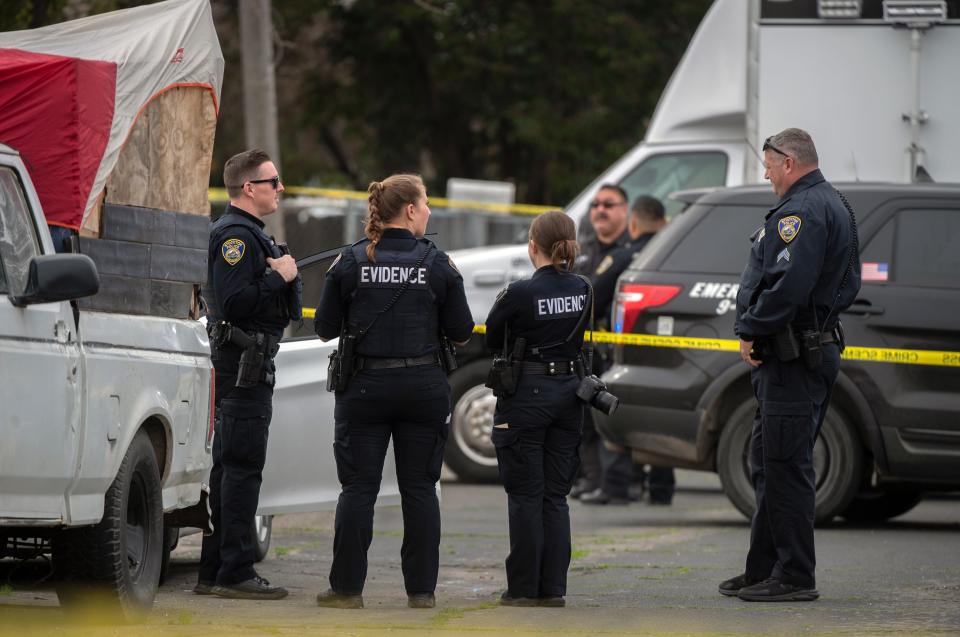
[{"x": 636, "y": 570}]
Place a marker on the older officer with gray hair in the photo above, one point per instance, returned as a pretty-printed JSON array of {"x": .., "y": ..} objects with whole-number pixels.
[{"x": 803, "y": 270}]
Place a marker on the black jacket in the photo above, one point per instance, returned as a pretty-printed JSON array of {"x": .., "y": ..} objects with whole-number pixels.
[
  {"x": 241, "y": 288},
  {"x": 356, "y": 290},
  {"x": 797, "y": 262},
  {"x": 542, "y": 309}
]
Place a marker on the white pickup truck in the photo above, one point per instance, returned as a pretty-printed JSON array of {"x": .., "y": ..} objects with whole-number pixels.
[{"x": 105, "y": 419}]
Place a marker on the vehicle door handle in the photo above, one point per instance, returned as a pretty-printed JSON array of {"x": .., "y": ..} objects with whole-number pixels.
[
  {"x": 863, "y": 308},
  {"x": 61, "y": 333}
]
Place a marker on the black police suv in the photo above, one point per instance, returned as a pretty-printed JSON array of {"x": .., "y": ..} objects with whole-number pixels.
[{"x": 893, "y": 428}]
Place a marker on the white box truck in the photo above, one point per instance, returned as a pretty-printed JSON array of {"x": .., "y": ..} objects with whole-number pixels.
[{"x": 875, "y": 82}]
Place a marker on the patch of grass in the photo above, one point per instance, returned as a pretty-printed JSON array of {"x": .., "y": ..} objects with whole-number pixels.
[
  {"x": 445, "y": 615},
  {"x": 578, "y": 554},
  {"x": 5, "y": 589},
  {"x": 280, "y": 551}
]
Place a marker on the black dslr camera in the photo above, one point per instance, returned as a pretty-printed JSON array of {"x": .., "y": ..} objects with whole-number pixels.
[{"x": 593, "y": 391}]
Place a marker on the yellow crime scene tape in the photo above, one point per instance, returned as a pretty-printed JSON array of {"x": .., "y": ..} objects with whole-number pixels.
[
  {"x": 219, "y": 195},
  {"x": 851, "y": 353}
]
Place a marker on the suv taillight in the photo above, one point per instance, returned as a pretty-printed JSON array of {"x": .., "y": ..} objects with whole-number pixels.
[
  {"x": 212, "y": 409},
  {"x": 634, "y": 298}
]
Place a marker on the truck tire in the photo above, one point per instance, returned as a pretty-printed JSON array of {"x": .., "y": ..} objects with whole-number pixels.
[
  {"x": 877, "y": 505},
  {"x": 837, "y": 458},
  {"x": 262, "y": 531},
  {"x": 470, "y": 452},
  {"x": 116, "y": 563}
]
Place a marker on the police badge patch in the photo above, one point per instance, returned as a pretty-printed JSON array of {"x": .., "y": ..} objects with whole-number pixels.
[
  {"x": 454, "y": 266},
  {"x": 605, "y": 264},
  {"x": 233, "y": 250},
  {"x": 789, "y": 228}
]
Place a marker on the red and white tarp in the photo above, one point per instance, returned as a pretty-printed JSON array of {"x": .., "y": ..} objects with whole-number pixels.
[{"x": 70, "y": 93}]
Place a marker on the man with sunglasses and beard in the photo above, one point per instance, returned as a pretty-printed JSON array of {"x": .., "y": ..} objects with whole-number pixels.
[
  {"x": 605, "y": 474},
  {"x": 251, "y": 295}
]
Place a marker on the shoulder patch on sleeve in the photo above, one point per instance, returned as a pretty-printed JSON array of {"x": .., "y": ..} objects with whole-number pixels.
[
  {"x": 605, "y": 264},
  {"x": 454, "y": 265},
  {"x": 788, "y": 228},
  {"x": 233, "y": 250}
]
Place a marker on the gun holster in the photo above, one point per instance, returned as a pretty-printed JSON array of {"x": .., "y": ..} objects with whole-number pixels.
[
  {"x": 504, "y": 375},
  {"x": 785, "y": 345},
  {"x": 342, "y": 363},
  {"x": 789, "y": 345}
]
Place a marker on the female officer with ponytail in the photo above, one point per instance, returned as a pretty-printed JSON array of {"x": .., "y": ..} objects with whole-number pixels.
[
  {"x": 537, "y": 424},
  {"x": 390, "y": 296}
]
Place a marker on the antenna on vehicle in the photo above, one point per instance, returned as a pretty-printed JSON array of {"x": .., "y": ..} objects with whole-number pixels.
[{"x": 853, "y": 158}]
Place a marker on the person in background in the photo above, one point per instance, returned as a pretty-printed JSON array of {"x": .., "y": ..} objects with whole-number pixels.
[
  {"x": 647, "y": 217},
  {"x": 605, "y": 474}
]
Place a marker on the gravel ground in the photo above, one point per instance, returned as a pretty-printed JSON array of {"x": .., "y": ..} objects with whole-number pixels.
[{"x": 636, "y": 570}]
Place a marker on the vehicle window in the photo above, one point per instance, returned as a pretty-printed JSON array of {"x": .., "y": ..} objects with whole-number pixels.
[
  {"x": 928, "y": 248},
  {"x": 660, "y": 175},
  {"x": 877, "y": 254},
  {"x": 719, "y": 244},
  {"x": 18, "y": 238}
]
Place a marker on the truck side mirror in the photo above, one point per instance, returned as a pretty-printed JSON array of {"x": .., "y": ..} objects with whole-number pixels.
[{"x": 59, "y": 277}]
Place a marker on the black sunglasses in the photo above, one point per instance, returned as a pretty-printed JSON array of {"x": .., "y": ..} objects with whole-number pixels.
[
  {"x": 605, "y": 204},
  {"x": 768, "y": 145},
  {"x": 273, "y": 181}
]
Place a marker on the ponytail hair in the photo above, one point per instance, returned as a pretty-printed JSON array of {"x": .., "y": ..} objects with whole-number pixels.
[
  {"x": 555, "y": 234},
  {"x": 385, "y": 203}
]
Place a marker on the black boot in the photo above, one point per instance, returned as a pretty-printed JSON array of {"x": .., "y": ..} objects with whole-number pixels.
[{"x": 254, "y": 588}]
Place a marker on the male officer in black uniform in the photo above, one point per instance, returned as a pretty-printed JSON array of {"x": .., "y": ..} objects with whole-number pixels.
[
  {"x": 803, "y": 270},
  {"x": 604, "y": 474},
  {"x": 647, "y": 217},
  {"x": 251, "y": 295}
]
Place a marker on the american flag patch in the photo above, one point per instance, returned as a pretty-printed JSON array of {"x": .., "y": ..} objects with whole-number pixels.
[{"x": 874, "y": 271}]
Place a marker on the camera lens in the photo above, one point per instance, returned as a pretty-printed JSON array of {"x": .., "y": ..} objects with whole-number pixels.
[{"x": 605, "y": 402}]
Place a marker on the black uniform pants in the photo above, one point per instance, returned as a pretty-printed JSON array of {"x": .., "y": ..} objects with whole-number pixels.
[
  {"x": 791, "y": 404},
  {"x": 239, "y": 452},
  {"x": 413, "y": 406},
  {"x": 661, "y": 483},
  {"x": 537, "y": 435}
]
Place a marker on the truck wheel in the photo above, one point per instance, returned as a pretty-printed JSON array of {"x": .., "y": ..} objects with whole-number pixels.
[
  {"x": 837, "y": 459},
  {"x": 116, "y": 563},
  {"x": 262, "y": 531},
  {"x": 877, "y": 505},
  {"x": 470, "y": 452}
]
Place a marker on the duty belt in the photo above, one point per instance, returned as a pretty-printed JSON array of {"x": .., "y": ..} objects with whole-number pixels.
[
  {"x": 223, "y": 334},
  {"x": 549, "y": 369},
  {"x": 395, "y": 363}
]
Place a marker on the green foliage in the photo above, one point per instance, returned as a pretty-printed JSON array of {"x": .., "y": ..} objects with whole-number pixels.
[
  {"x": 30, "y": 14},
  {"x": 545, "y": 94}
]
